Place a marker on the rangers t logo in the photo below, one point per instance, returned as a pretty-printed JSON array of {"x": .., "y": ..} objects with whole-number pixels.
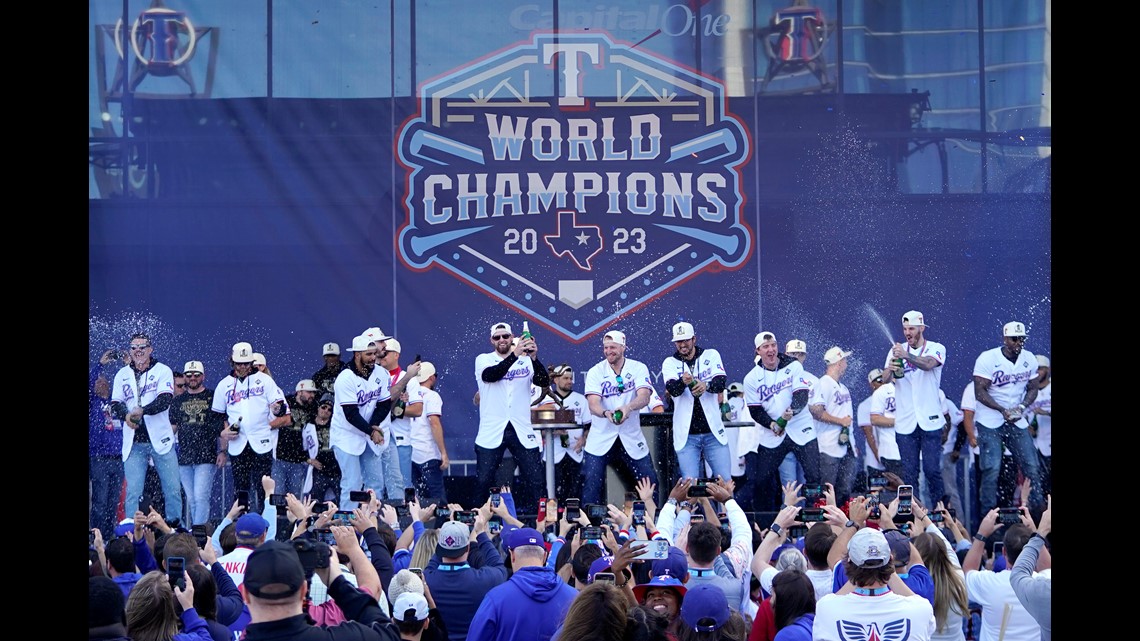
[{"x": 574, "y": 179}]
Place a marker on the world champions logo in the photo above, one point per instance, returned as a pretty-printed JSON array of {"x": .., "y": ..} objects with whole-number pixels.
[{"x": 574, "y": 179}]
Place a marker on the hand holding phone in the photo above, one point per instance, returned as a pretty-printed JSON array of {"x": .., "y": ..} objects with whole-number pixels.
[
  {"x": 573, "y": 510},
  {"x": 906, "y": 494},
  {"x": 243, "y": 499},
  {"x": 278, "y": 500},
  {"x": 360, "y": 496},
  {"x": 175, "y": 570}
]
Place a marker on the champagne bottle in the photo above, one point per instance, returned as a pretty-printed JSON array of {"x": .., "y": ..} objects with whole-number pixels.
[
  {"x": 901, "y": 364},
  {"x": 618, "y": 416},
  {"x": 844, "y": 435},
  {"x": 398, "y": 408},
  {"x": 781, "y": 423},
  {"x": 726, "y": 411},
  {"x": 526, "y": 331}
]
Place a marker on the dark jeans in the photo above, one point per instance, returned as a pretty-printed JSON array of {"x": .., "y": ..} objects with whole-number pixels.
[
  {"x": 106, "y": 491},
  {"x": 594, "y": 470},
  {"x": 248, "y": 468},
  {"x": 840, "y": 472},
  {"x": 930, "y": 444},
  {"x": 427, "y": 479},
  {"x": 765, "y": 465},
  {"x": 531, "y": 473},
  {"x": 567, "y": 479}
]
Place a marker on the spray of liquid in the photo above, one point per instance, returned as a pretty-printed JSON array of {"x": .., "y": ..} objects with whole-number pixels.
[{"x": 879, "y": 320}]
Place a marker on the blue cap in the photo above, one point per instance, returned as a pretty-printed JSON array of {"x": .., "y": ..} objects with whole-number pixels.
[
  {"x": 523, "y": 536},
  {"x": 705, "y": 608},
  {"x": 125, "y": 526},
  {"x": 250, "y": 526},
  {"x": 675, "y": 565}
]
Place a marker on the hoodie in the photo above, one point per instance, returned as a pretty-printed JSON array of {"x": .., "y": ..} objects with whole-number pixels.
[
  {"x": 530, "y": 605},
  {"x": 798, "y": 630}
]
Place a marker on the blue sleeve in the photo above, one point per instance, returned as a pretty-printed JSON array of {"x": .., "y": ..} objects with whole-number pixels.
[
  {"x": 509, "y": 501},
  {"x": 194, "y": 627},
  {"x": 381, "y": 557},
  {"x": 269, "y": 513},
  {"x": 484, "y": 625},
  {"x": 417, "y": 530},
  {"x": 553, "y": 556},
  {"x": 920, "y": 581},
  {"x": 840, "y": 578},
  {"x": 230, "y": 604},
  {"x": 144, "y": 558},
  {"x": 217, "y": 538},
  {"x": 401, "y": 560}
]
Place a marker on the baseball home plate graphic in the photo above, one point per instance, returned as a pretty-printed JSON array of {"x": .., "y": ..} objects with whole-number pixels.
[{"x": 574, "y": 179}]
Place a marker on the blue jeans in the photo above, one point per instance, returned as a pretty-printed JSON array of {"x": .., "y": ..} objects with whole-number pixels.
[
  {"x": 167, "y": 467},
  {"x": 289, "y": 477},
  {"x": 716, "y": 454},
  {"x": 594, "y": 470},
  {"x": 791, "y": 470},
  {"x": 106, "y": 486},
  {"x": 358, "y": 472},
  {"x": 930, "y": 444},
  {"x": 1020, "y": 444},
  {"x": 393, "y": 477},
  {"x": 405, "y": 453},
  {"x": 197, "y": 482},
  {"x": 427, "y": 478}
]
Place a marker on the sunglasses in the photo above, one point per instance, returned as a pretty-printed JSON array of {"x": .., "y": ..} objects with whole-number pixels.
[
  {"x": 195, "y": 375},
  {"x": 501, "y": 337},
  {"x": 325, "y": 405},
  {"x": 1017, "y": 339},
  {"x": 139, "y": 348},
  {"x": 620, "y": 383}
]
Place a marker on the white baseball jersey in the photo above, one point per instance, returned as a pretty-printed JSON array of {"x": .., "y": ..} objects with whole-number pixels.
[
  {"x": 1008, "y": 382},
  {"x": 402, "y": 427},
  {"x": 948, "y": 407},
  {"x": 577, "y": 403},
  {"x": 364, "y": 393},
  {"x": 420, "y": 438},
  {"x": 158, "y": 379},
  {"x": 773, "y": 391},
  {"x": 883, "y": 404},
  {"x": 707, "y": 365},
  {"x": 655, "y": 401},
  {"x": 383, "y": 381},
  {"x": 737, "y": 435},
  {"x": 863, "y": 417},
  {"x": 1044, "y": 440},
  {"x": 916, "y": 394},
  {"x": 507, "y": 400},
  {"x": 601, "y": 381},
  {"x": 252, "y": 401},
  {"x": 836, "y": 400}
]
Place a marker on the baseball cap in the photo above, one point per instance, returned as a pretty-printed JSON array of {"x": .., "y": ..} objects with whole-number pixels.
[
  {"x": 869, "y": 548},
  {"x": 1013, "y": 328},
  {"x": 427, "y": 370},
  {"x": 683, "y": 331},
  {"x": 327, "y": 397},
  {"x": 524, "y": 536},
  {"x": 500, "y": 327},
  {"x": 1042, "y": 360},
  {"x": 124, "y": 526},
  {"x": 834, "y": 355},
  {"x": 615, "y": 336},
  {"x": 705, "y": 608},
  {"x": 660, "y": 581},
  {"x": 674, "y": 565},
  {"x": 258, "y": 358},
  {"x": 735, "y": 387},
  {"x": 273, "y": 571},
  {"x": 453, "y": 539},
  {"x": 795, "y": 346},
  {"x": 410, "y": 606},
  {"x": 900, "y": 546},
  {"x": 361, "y": 344},
  {"x": 242, "y": 353},
  {"x": 330, "y": 348},
  {"x": 375, "y": 334},
  {"x": 393, "y": 345},
  {"x": 306, "y": 385},
  {"x": 600, "y": 564},
  {"x": 193, "y": 366},
  {"x": 250, "y": 526},
  {"x": 873, "y": 374},
  {"x": 914, "y": 318},
  {"x": 764, "y": 337}
]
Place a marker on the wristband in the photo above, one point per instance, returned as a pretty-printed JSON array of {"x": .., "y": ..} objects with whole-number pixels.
[
  {"x": 672, "y": 501},
  {"x": 978, "y": 537},
  {"x": 775, "y": 529},
  {"x": 851, "y": 523}
]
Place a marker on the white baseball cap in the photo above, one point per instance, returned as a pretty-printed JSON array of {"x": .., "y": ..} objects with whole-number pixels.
[
  {"x": 615, "y": 336},
  {"x": 1014, "y": 328},
  {"x": 393, "y": 345},
  {"x": 683, "y": 331},
  {"x": 735, "y": 387},
  {"x": 361, "y": 344},
  {"x": 330, "y": 348},
  {"x": 764, "y": 337},
  {"x": 873, "y": 374},
  {"x": 427, "y": 370},
  {"x": 913, "y": 318},
  {"x": 834, "y": 355},
  {"x": 193, "y": 366},
  {"x": 1042, "y": 360},
  {"x": 796, "y": 346},
  {"x": 258, "y": 358},
  {"x": 500, "y": 327},
  {"x": 410, "y": 606},
  {"x": 242, "y": 353},
  {"x": 306, "y": 385},
  {"x": 375, "y": 334},
  {"x": 869, "y": 548}
]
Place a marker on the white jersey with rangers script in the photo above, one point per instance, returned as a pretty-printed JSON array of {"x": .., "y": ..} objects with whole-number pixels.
[
  {"x": 884, "y": 616},
  {"x": 252, "y": 401},
  {"x": 383, "y": 381},
  {"x": 836, "y": 400},
  {"x": 507, "y": 400},
  {"x": 706, "y": 366},
  {"x": 402, "y": 427},
  {"x": 1044, "y": 439},
  {"x": 158, "y": 379},
  {"x": 364, "y": 393},
  {"x": 883, "y": 404},
  {"x": 575, "y": 402},
  {"x": 420, "y": 438},
  {"x": 773, "y": 390},
  {"x": 601, "y": 381},
  {"x": 1008, "y": 382},
  {"x": 863, "y": 417},
  {"x": 916, "y": 394}
]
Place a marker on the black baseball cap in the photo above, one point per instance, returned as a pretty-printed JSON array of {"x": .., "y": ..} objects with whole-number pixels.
[{"x": 274, "y": 571}]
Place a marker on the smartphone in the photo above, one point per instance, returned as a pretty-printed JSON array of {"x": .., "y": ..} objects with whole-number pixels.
[
  {"x": 323, "y": 552},
  {"x": 466, "y": 517},
  {"x": 175, "y": 567},
  {"x": 344, "y": 516},
  {"x": 496, "y": 498},
  {"x": 873, "y": 507},
  {"x": 812, "y": 515},
  {"x": 597, "y": 513},
  {"x": 325, "y": 535},
  {"x": 697, "y": 517},
  {"x": 906, "y": 492},
  {"x": 638, "y": 512},
  {"x": 403, "y": 512},
  {"x": 936, "y": 517},
  {"x": 409, "y": 495},
  {"x": 813, "y": 494},
  {"x": 699, "y": 488},
  {"x": 243, "y": 498},
  {"x": 592, "y": 533},
  {"x": 797, "y": 532},
  {"x": 999, "y": 548},
  {"x": 541, "y": 510},
  {"x": 199, "y": 532},
  {"x": 653, "y": 550},
  {"x": 877, "y": 480},
  {"x": 417, "y": 571},
  {"x": 1009, "y": 515},
  {"x": 573, "y": 510},
  {"x": 495, "y": 524},
  {"x": 360, "y": 496},
  {"x": 320, "y": 507},
  {"x": 443, "y": 512},
  {"x": 278, "y": 500},
  {"x": 605, "y": 577}
]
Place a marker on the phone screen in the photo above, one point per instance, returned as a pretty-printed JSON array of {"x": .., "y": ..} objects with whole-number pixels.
[
  {"x": 573, "y": 509},
  {"x": 409, "y": 495},
  {"x": 905, "y": 494},
  {"x": 278, "y": 500},
  {"x": 639, "y": 512},
  {"x": 359, "y": 496},
  {"x": 243, "y": 498},
  {"x": 175, "y": 566},
  {"x": 542, "y": 509},
  {"x": 418, "y": 572}
]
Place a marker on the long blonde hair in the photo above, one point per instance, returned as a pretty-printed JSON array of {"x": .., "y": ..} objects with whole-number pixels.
[
  {"x": 151, "y": 615},
  {"x": 949, "y": 586},
  {"x": 424, "y": 548}
]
